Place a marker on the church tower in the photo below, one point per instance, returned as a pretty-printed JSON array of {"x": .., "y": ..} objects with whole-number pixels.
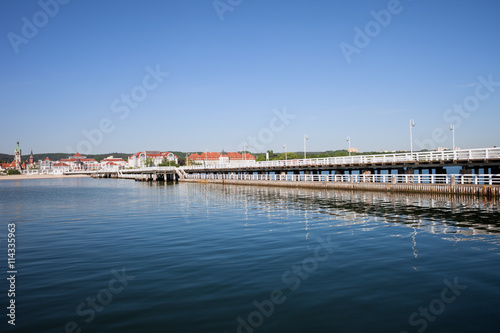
[
  {"x": 31, "y": 157},
  {"x": 17, "y": 156}
]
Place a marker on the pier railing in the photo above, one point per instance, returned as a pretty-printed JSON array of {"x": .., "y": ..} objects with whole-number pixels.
[
  {"x": 430, "y": 156},
  {"x": 149, "y": 169},
  {"x": 483, "y": 179}
]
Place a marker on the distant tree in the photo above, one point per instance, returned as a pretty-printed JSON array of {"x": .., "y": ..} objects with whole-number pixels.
[
  {"x": 13, "y": 172},
  {"x": 341, "y": 153},
  {"x": 149, "y": 162},
  {"x": 289, "y": 156},
  {"x": 164, "y": 162}
]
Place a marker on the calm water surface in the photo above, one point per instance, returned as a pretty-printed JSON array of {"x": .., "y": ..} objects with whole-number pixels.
[{"x": 124, "y": 256}]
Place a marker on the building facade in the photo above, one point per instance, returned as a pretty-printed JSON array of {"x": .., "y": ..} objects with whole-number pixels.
[
  {"x": 139, "y": 159},
  {"x": 220, "y": 158},
  {"x": 78, "y": 162}
]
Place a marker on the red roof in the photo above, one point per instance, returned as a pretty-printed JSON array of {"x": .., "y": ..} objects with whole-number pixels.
[
  {"x": 77, "y": 155},
  {"x": 47, "y": 159},
  {"x": 61, "y": 164},
  {"x": 9, "y": 165}
]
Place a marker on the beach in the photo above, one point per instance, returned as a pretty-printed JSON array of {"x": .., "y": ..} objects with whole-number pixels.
[{"x": 20, "y": 177}]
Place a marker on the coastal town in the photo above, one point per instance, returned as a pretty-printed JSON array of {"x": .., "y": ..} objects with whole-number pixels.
[{"x": 78, "y": 162}]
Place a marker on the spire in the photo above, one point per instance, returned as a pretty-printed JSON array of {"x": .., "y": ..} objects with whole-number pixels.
[{"x": 17, "y": 148}]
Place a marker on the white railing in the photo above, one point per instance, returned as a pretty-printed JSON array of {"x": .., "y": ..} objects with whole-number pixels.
[
  {"x": 484, "y": 179},
  {"x": 145, "y": 169},
  {"x": 431, "y": 156}
]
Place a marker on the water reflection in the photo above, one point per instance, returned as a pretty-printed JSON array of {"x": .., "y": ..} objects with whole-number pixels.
[{"x": 436, "y": 214}]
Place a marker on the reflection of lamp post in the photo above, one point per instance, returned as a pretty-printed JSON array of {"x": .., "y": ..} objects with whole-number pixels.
[
  {"x": 412, "y": 124},
  {"x": 452, "y": 128},
  {"x": 349, "y": 140},
  {"x": 284, "y": 146},
  {"x": 306, "y": 137}
]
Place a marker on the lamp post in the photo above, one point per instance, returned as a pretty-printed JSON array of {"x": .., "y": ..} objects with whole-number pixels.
[
  {"x": 412, "y": 124},
  {"x": 306, "y": 137},
  {"x": 286, "y": 158},
  {"x": 349, "y": 140},
  {"x": 245, "y": 152},
  {"x": 452, "y": 129}
]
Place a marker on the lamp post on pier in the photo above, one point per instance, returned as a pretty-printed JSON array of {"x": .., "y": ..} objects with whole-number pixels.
[
  {"x": 349, "y": 140},
  {"x": 284, "y": 146},
  {"x": 452, "y": 129},
  {"x": 306, "y": 137}
]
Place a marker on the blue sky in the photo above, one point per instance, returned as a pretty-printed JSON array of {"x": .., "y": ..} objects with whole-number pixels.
[{"x": 234, "y": 68}]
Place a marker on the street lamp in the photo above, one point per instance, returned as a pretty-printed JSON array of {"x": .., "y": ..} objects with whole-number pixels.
[
  {"x": 306, "y": 137},
  {"x": 245, "y": 152},
  {"x": 412, "y": 124},
  {"x": 284, "y": 146},
  {"x": 452, "y": 129},
  {"x": 349, "y": 140}
]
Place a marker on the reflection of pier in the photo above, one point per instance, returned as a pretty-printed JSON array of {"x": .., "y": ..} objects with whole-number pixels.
[{"x": 433, "y": 213}]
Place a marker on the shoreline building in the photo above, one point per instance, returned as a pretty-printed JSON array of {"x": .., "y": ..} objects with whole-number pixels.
[
  {"x": 45, "y": 165},
  {"x": 138, "y": 160},
  {"x": 221, "y": 158},
  {"x": 17, "y": 163},
  {"x": 113, "y": 163},
  {"x": 80, "y": 163},
  {"x": 17, "y": 157}
]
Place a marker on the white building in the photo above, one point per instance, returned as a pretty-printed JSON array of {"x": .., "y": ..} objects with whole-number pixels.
[
  {"x": 79, "y": 162},
  {"x": 113, "y": 163},
  {"x": 60, "y": 168},
  {"x": 221, "y": 158},
  {"x": 139, "y": 159}
]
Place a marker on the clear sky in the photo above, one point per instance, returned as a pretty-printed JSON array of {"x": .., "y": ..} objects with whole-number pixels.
[{"x": 194, "y": 75}]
